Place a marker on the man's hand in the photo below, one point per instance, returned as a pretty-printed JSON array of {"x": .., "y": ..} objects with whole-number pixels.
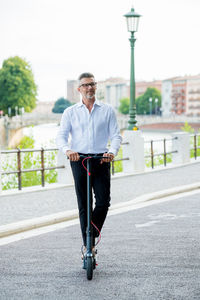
[
  {"x": 108, "y": 157},
  {"x": 73, "y": 156}
]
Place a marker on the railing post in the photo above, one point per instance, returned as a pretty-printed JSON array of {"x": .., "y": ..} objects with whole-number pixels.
[
  {"x": 195, "y": 146},
  {"x": 0, "y": 172},
  {"x": 113, "y": 167},
  {"x": 42, "y": 167},
  {"x": 64, "y": 175},
  {"x": 134, "y": 150},
  {"x": 19, "y": 169},
  {"x": 165, "y": 152},
  {"x": 181, "y": 144},
  {"x": 152, "y": 155}
]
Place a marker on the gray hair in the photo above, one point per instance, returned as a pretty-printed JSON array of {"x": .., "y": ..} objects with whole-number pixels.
[{"x": 85, "y": 75}]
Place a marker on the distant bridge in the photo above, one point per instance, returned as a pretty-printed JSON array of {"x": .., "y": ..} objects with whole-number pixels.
[
  {"x": 11, "y": 128},
  {"x": 29, "y": 119},
  {"x": 153, "y": 122}
]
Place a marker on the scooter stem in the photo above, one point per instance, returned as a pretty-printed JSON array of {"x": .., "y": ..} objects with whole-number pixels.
[{"x": 89, "y": 208}]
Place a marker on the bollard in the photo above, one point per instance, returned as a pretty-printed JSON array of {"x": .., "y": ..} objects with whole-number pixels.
[
  {"x": 134, "y": 150},
  {"x": 64, "y": 175},
  {"x": 181, "y": 144}
]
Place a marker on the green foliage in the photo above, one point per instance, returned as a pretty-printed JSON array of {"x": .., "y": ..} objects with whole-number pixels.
[
  {"x": 189, "y": 129},
  {"x": 118, "y": 164},
  {"x": 27, "y": 142},
  {"x": 17, "y": 86},
  {"x": 29, "y": 160},
  {"x": 60, "y": 105},
  {"x": 143, "y": 106},
  {"x": 124, "y": 106},
  {"x": 158, "y": 160}
]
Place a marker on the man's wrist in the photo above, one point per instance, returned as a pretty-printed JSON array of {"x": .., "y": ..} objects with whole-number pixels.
[
  {"x": 113, "y": 151},
  {"x": 112, "y": 154}
]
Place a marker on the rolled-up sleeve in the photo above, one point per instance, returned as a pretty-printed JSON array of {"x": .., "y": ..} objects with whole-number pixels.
[{"x": 114, "y": 133}]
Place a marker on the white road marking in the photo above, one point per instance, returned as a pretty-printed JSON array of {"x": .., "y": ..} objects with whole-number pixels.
[
  {"x": 148, "y": 224},
  {"x": 163, "y": 216},
  {"x": 46, "y": 229}
]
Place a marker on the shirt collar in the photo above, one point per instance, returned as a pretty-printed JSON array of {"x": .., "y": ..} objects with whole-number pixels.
[{"x": 96, "y": 102}]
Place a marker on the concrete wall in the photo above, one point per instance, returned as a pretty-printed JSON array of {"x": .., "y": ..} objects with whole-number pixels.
[
  {"x": 9, "y": 137},
  {"x": 44, "y": 107}
]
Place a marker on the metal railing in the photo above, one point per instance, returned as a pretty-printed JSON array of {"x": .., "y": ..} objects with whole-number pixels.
[
  {"x": 117, "y": 159},
  {"x": 20, "y": 171},
  {"x": 196, "y": 143},
  {"x": 43, "y": 168},
  {"x": 164, "y": 153}
]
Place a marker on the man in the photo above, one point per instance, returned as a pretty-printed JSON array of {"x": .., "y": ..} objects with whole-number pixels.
[{"x": 91, "y": 125}]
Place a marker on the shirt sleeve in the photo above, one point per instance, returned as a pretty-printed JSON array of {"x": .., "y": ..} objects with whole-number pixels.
[
  {"x": 114, "y": 132},
  {"x": 62, "y": 138}
]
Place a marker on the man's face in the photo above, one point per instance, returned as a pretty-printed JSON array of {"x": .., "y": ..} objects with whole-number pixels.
[{"x": 87, "y": 91}]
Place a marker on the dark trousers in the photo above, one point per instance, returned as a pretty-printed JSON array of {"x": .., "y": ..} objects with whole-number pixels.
[{"x": 100, "y": 180}]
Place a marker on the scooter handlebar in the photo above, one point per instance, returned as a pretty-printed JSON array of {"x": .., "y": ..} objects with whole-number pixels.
[{"x": 93, "y": 156}]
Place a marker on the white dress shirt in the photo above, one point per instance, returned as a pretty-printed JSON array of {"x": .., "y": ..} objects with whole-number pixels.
[{"x": 89, "y": 132}]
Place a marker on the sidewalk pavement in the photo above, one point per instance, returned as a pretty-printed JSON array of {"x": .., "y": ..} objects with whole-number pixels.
[{"x": 24, "y": 211}]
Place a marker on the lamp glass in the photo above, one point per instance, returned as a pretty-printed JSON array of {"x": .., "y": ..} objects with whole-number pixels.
[{"x": 132, "y": 23}]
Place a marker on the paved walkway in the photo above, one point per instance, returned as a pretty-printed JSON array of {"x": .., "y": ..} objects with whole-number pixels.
[
  {"x": 23, "y": 206},
  {"x": 151, "y": 253}
]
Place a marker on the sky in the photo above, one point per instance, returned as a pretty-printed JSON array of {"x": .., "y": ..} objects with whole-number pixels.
[{"x": 63, "y": 38}]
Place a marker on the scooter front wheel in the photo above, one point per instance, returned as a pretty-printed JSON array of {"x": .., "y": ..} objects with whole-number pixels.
[{"x": 89, "y": 267}]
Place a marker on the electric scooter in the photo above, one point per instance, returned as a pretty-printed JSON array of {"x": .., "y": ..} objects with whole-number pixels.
[{"x": 89, "y": 259}]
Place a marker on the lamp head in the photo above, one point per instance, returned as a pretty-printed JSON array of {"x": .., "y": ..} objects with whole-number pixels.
[{"x": 132, "y": 19}]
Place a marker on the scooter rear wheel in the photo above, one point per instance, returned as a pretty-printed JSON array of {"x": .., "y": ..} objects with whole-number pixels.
[{"x": 89, "y": 268}]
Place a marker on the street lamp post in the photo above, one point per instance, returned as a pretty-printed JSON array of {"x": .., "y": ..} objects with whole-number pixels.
[
  {"x": 9, "y": 111},
  {"x": 132, "y": 24},
  {"x": 16, "y": 110},
  {"x": 156, "y": 107},
  {"x": 150, "y": 106}
]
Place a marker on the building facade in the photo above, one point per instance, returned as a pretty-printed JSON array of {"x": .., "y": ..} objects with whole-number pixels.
[
  {"x": 112, "y": 90},
  {"x": 115, "y": 90},
  {"x": 109, "y": 91},
  {"x": 181, "y": 96},
  {"x": 72, "y": 92},
  {"x": 193, "y": 96},
  {"x": 166, "y": 97},
  {"x": 179, "y": 88},
  {"x": 141, "y": 86}
]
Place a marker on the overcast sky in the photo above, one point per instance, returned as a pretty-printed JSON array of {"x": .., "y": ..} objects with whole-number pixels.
[{"x": 63, "y": 38}]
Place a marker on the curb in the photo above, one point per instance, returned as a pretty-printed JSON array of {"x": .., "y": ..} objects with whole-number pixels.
[{"x": 26, "y": 225}]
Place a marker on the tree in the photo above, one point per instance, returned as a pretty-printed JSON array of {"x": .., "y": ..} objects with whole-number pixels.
[
  {"x": 143, "y": 105},
  {"x": 124, "y": 106},
  {"x": 17, "y": 85},
  {"x": 60, "y": 105}
]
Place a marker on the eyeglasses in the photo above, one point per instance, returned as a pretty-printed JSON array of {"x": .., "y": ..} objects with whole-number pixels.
[{"x": 86, "y": 85}]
